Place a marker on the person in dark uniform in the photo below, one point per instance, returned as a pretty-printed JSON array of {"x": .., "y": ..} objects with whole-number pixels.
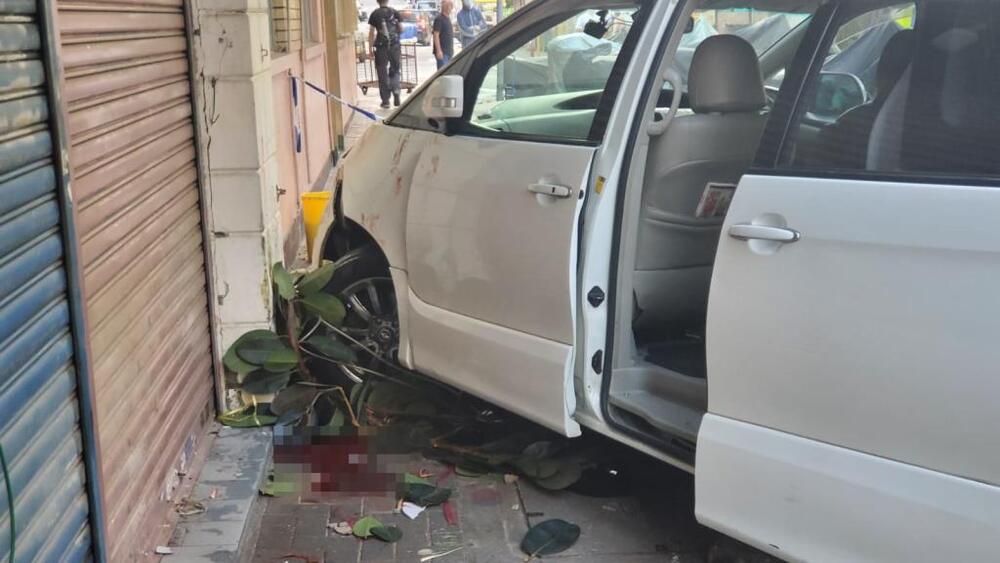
[
  {"x": 385, "y": 27},
  {"x": 444, "y": 35}
]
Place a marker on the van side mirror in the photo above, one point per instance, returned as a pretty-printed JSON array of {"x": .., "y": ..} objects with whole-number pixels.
[
  {"x": 837, "y": 93},
  {"x": 445, "y": 98}
]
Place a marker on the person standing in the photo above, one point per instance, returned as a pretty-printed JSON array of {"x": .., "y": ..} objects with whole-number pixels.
[
  {"x": 385, "y": 27},
  {"x": 444, "y": 35},
  {"x": 470, "y": 23}
]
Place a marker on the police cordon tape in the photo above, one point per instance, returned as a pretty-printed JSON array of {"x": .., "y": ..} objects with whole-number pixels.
[{"x": 353, "y": 107}]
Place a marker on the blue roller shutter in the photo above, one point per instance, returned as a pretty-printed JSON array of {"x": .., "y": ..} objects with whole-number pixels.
[{"x": 39, "y": 405}]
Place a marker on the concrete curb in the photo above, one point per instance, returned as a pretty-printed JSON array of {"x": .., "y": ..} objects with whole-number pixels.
[{"x": 229, "y": 488}]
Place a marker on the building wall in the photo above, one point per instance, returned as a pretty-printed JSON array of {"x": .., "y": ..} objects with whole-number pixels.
[
  {"x": 253, "y": 172},
  {"x": 301, "y": 115}
]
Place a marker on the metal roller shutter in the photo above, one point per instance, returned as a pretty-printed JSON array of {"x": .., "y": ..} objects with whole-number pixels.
[
  {"x": 39, "y": 407},
  {"x": 132, "y": 155}
]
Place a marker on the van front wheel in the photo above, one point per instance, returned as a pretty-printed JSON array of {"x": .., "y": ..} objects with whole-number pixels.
[{"x": 371, "y": 328}]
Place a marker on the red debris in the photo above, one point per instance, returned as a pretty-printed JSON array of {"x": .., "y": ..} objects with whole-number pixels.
[{"x": 450, "y": 514}]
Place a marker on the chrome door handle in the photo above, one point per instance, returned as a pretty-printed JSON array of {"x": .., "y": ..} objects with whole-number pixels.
[
  {"x": 553, "y": 190},
  {"x": 763, "y": 232}
]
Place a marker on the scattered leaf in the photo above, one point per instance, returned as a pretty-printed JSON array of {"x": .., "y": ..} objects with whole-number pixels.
[
  {"x": 284, "y": 282},
  {"x": 294, "y": 398},
  {"x": 245, "y": 417},
  {"x": 470, "y": 471},
  {"x": 317, "y": 280},
  {"x": 538, "y": 468},
  {"x": 550, "y": 537},
  {"x": 568, "y": 474},
  {"x": 264, "y": 382},
  {"x": 388, "y": 534},
  {"x": 326, "y": 307},
  {"x": 363, "y": 527},
  {"x": 290, "y": 418},
  {"x": 412, "y": 479},
  {"x": 332, "y": 349},
  {"x": 426, "y": 495}
]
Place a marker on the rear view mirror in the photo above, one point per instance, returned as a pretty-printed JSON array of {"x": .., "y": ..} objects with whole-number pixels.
[
  {"x": 444, "y": 98},
  {"x": 837, "y": 93}
]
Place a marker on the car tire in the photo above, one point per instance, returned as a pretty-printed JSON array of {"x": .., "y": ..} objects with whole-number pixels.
[{"x": 362, "y": 282}]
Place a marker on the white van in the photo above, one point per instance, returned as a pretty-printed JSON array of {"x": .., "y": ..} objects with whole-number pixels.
[{"x": 757, "y": 239}]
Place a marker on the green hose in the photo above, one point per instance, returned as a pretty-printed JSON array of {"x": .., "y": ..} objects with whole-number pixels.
[{"x": 10, "y": 502}]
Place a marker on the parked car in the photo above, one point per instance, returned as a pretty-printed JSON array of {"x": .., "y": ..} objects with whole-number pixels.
[
  {"x": 767, "y": 255},
  {"x": 411, "y": 25}
]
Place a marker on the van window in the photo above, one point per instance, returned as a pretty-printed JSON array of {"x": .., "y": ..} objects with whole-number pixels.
[
  {"x": 550, "y": 84},
  {"x": 762, "y": 29},
  {"x": 904, "y": 91}
]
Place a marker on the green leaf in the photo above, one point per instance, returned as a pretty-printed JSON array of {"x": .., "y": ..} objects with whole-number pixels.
[
  {"x": 245, "y": 418},
  {"x": 258, "y": 352},
  {"x": 283, "y": 281},
  {"x": 264, "y": 382},
  {"x": 237, "y": 364},
  {"x": 290, "y": 418},
  {"x": 537, "y": 468},
  {"x": 426, "y": 495},
  {"x": 332, "y": 349},
  {"x": 411, "y": 479},
  {"x": 550, "y": 537},
  {"x": 294, "y": 398},
  {"x": 469, "y": 471},
  {"x": 389, "y": 534},
  {"x": 282, "y": 360},
  {"x": 570, "y": 471},
  {"x": 338, "y": 420},
  {"x": 326, "y": 307},
  {"x": 363, "y": 527},
  {"x": 317, "y": 280}
]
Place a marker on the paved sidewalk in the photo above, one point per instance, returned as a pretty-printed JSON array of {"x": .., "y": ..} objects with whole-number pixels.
[
  {"x": 426, "y": 67},
  {"x": 493, "y": 516}
]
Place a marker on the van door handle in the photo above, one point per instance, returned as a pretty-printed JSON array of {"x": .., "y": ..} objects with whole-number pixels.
[
  {"x": 553, "y": 190},
  {"x": 763, "y": 232}
]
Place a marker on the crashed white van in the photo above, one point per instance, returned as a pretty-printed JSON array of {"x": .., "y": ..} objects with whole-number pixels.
[{"x": 758, "y": 239}]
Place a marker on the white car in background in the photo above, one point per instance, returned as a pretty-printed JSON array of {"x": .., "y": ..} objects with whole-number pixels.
[{"x": 753, "y": 238}]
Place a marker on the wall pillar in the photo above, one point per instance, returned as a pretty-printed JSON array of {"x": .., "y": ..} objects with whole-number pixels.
[
  {"x": 341, "y": 62},
  {"x": 233, "y": 97}
]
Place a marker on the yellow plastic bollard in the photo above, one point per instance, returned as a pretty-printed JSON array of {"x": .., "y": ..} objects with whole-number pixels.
[{"x": 314, "y": 205}]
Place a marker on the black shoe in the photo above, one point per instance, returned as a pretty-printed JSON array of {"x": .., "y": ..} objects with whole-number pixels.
[
  {"x": 385, "y": 105},
  {"x": 395, "y": 100}
]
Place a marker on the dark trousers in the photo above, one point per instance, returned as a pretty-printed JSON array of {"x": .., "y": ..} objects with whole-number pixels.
[{"x": 387, "y": 67}]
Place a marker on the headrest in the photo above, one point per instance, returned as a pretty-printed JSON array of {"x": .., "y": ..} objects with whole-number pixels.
[
  {"x": 896, "y": 57},
  {"x": 725, "y": 76}
]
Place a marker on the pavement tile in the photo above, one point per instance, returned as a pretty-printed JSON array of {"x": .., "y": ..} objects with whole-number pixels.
[
  {"x": 338, "y": 548},
  {"x": 199, "y": 554},
  {"x": 311, "y": 520},
  {"x": 202, "y": 534},
  {"x": 610, "y": 526},
  {"x": 491, "y": 519}
]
